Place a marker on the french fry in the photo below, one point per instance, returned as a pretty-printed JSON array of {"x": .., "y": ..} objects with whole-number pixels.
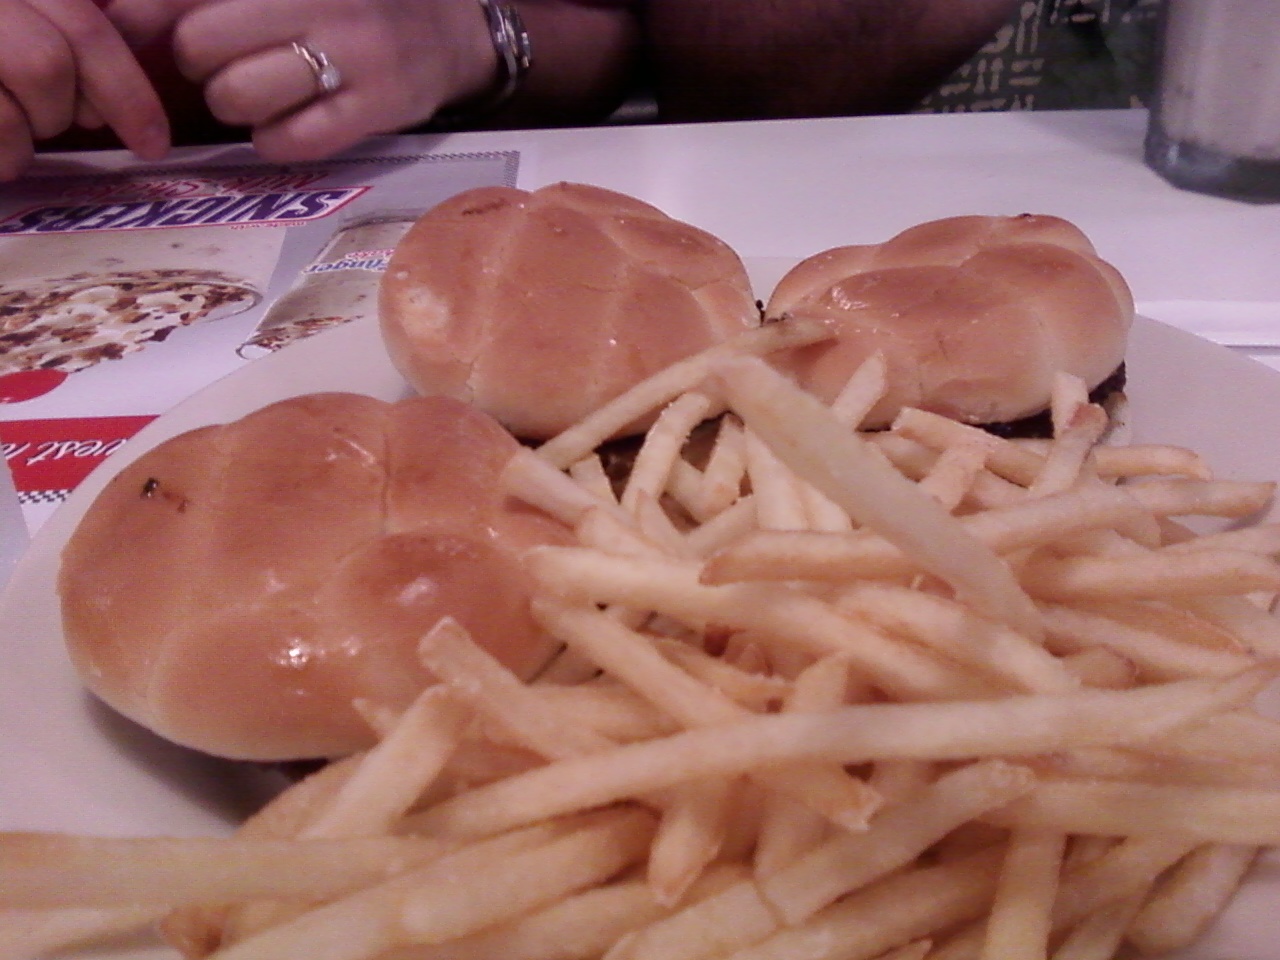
[
  {"x": 695, "y": 822},
  {"x": 1150, "y": 460},
  {"x": 28, "y": 933},
  {"x": 916, "y": 950},
  {"x": 589, "y": 473},
  {"x": 779, "y": 502},
  {"x": 1101, "y": 668},
  {"x": 1238, "y": 736},
  {"x": 896, "y": 837},
  {"x": 460, "y": 893},
  {"x": 1021, "y": 918},
  {"x": 608, "y": 531},
  {"x": 533, "y": 480},
  {"x": 631, "y": 658},
  {"x": 1099, "y": 935},
  {"x": 1253, "y": 626},
  {"x": 962, "y": 944},
  {"x": 1010, "y": 460},
  {"x": 823, "y": 513},
  {"x": 962, "y": 636},
  {"x": 501, "y": 698},
  {"x": 721, "y": 485},
  {"x": 650, "y": 394},
  {"x": 896, "y": 909},
  {"x": 1186, "y": 903},
  {"x": 896, "y": 779},
  {"x": 807, "y": 438},
  {"x": 752, "y": 689},
  {"x": 656, "y": 457},
  {"x": 394, "y": 774},
  {"x": 725, "y": 527},
  {"x": 1147, "y": 766},
  {"x": 865, "y": 388},
  {"x": 610, "y": 709},
  {"x": 49, "y": 870},
  {"x": 580, "y": 927},
  {"x": 713, "y": 927},
  {"x": 767, "y": 555},
  {"x": 793, "y": 618},
  {"x": 954, "y": 473},
  {"x": 911, "y": 904},
  {"x": 787, "y": 828},
  {"x": 1015, "y": 726},
  {"x": 685, "y": 486},
  {"x": 1067, "y": 395},
  {"x": 1234, "y": 499},
  {"x": 1156, "y": 655},
  {"x": 1151, "y": 577},
  {"x": 1217, "y": 814},
  {"x": 1126, "y": 869},
  {"x": 1072, "y": 446},
  {"x": 1262, "y": 538},
  {"x": 656, "y": 524}
]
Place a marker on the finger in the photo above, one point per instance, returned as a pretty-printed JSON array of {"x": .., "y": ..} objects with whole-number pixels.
[
  {"x": 142, "y": 22},
  {"x": 87, "y": 115},
  {"x": 261, "y": 87},
  {"x": 16, "y": 145},
  {"x": 111, "y": 78},
  {"x": 38, "y": 69},
  {"x": 321, "y": 129},
  {"x": 212, "y": 36}
]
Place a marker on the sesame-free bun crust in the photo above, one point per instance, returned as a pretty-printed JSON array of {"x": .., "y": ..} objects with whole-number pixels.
[
  {"x": 974, "y": 315},
  {"x": 539, "y": 307},
  {"x": 237, "y": 587}
]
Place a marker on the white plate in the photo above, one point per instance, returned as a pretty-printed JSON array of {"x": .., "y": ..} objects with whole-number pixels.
[{"x": 67, "y": 764}]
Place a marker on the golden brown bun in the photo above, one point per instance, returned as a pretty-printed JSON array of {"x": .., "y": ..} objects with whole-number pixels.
[
  {"x": 539, "y": 307},
  {"x": 974, "y": 315},
  {"x": 236, "y": 587}
]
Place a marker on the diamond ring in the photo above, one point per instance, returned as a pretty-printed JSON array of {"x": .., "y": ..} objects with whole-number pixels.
[{"x": 328, "y": 78}]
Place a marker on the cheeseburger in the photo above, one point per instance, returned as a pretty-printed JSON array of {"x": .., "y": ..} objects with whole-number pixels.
[
  {"x": 540, "y": 307},
  {"x": 974, "y": 316}
]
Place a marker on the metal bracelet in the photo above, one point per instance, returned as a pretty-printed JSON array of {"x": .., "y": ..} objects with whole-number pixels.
[{"x": 515, "y": 59}]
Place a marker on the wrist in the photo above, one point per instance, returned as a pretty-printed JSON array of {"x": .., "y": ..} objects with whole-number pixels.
[{"x": 510, "y": 48}]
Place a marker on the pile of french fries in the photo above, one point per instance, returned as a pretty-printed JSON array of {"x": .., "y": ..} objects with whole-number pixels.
[{"x": 822, "y": 694}]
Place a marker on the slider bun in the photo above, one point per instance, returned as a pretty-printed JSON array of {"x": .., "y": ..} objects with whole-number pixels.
[
  {"x": 539, "y": 307},
  {"x": 974, "y": 315},
  {"x": 236, "y": 588}
]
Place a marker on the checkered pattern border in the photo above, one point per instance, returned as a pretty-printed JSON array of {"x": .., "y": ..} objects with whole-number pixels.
[{"x": 32, "y": 498}]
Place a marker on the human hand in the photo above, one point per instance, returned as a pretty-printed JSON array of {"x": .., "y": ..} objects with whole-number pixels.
[
  {"x": 399, "y": 61},
  {"x": 63, "y": 63}
]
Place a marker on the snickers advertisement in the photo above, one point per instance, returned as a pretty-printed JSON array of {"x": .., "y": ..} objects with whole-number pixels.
[{"x": 123, "y": 293}]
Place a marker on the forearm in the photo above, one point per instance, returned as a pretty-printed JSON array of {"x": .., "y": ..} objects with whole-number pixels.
[{"x": 780, "y": 58}]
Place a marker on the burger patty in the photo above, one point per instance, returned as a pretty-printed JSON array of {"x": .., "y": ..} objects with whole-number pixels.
[
  {"x": 1039, "y": 426},
  {"x": 617, "y": 456}
]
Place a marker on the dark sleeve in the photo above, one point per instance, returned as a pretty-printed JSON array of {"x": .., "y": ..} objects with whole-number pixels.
[{"x": 725, "y": 59}]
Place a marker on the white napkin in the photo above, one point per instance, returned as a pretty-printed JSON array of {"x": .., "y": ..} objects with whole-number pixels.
[{"x": 13, "y": 528}]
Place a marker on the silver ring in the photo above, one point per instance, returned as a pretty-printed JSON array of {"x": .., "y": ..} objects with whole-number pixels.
[{"x": 328, "y": 78}]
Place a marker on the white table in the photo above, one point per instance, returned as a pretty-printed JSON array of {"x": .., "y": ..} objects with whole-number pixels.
[{"x": 788, "y": 189}]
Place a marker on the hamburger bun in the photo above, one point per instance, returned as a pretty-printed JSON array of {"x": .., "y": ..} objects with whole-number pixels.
[
  {"x": 539, "y": 307},
  {"x": 235, "y": 588},
  {"x": 974, "y": 315}
]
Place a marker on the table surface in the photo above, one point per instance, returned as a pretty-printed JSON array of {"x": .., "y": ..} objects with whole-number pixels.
[{"x": 789, "y": 188}]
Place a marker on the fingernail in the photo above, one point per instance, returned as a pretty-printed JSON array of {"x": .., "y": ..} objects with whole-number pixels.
[{"x": 154, "y": 141}]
